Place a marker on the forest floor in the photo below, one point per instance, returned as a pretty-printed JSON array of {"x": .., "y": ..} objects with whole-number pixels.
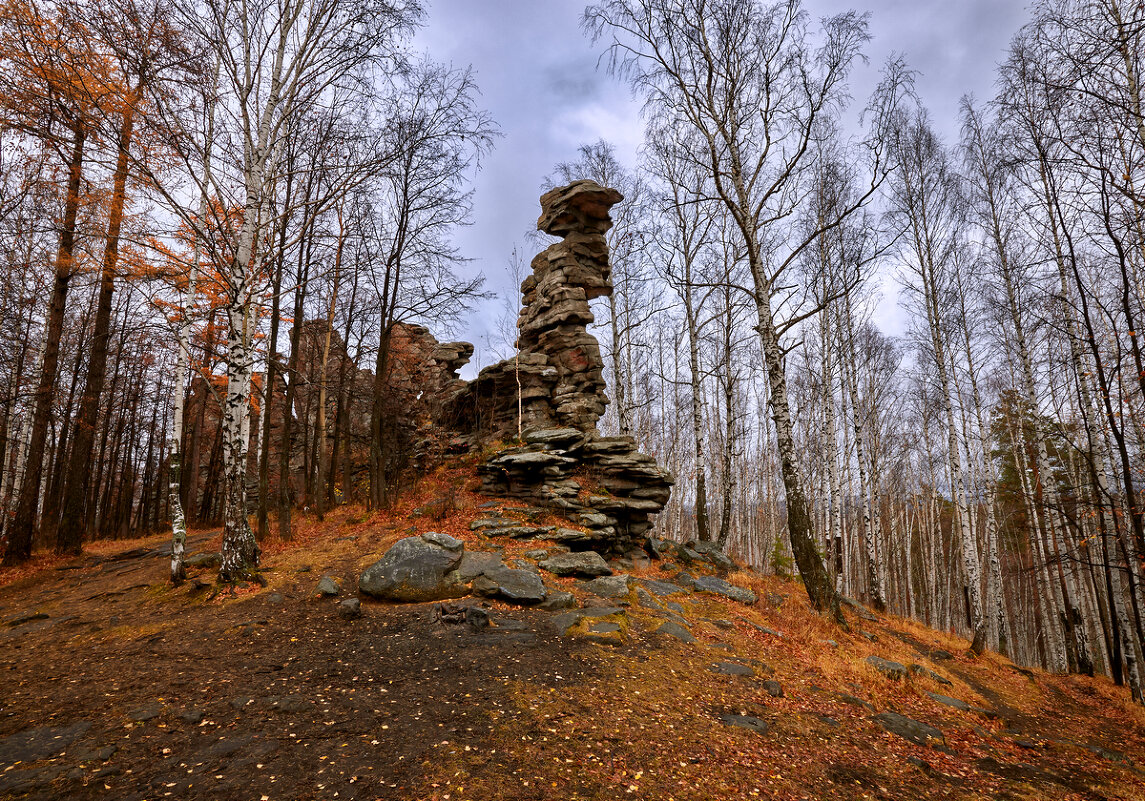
[{"x": 116, "y": 685}]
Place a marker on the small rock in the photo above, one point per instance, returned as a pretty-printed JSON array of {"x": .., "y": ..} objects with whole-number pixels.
[
  {"x": 638, "y": 559},
  {"x": 146, "y": 712},
  {"x": 645, "y": 599},
  {"x": 684, "y": 579},
  {"x": 192, "y": 716},
  {"x": 830, "y": 643},
  {"x": 241, "y": 702},
  {"x": 919, "y": 670},
  {"x": 567, "y": 535},
  {"x": 558, "y": 599},
  {"x": 774, "y": 688},
  {"x": 207, "y": 560},
  {"x": 414, "y": 569},
  {"x": 731, "y": 669},
  {"x": 443, "y": 541},
  {"x": 492, "y": 522},
  {"x": 892, "y": 670},
  {"x": 581, "y": 563},
  {"x": 717, "y": 586},
  {"x": 350, "y": 609},
  {"x": 662, "y": 587},
  {"x": 604, "y": 628},
  {"x": 712, "y": 552},
  {"x": 907, "y": 728},
  {"x": 745, "y": 722},
  {"x": 946, "y": 700},
  {"x": 328, "y": 587},
  {"x": 853, "y": 701},
  {"x": 477, "y": 618},
  {"x": 609, "y": 586},
  {"x": 566, "y": 621},
  {"x": 676, "y": 630},
  {"x": 518, "y": 586},
  {"x": 274, "y": 598}
]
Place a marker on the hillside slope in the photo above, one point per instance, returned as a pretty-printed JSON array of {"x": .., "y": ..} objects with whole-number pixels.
[{"x": 116, "y": 685}]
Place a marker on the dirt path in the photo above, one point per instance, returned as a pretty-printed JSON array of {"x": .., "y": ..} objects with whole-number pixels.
[{"x": 139, "y": 691}]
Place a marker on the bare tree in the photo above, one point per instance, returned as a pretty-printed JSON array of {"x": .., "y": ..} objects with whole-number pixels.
[{"x": 753, "y": 84}]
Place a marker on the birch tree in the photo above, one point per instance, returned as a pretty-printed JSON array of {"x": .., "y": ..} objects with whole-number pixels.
[
  {"x": 925, "y": 196},
  {"x": 278, "y": 60},
  {"x": 755, "y": 84}
]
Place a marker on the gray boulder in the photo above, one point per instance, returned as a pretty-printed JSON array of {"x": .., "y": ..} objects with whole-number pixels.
[
  {"x": 717, "y": 586},
  {"x": 414, "y": 570},
  {"x": 713, "y": 554},
  {"x": 609, "y": 586},
  {"x": 517, "y": 586},
  {"x": 581, "y": 563},
  {"x": 328, "y": 587}
]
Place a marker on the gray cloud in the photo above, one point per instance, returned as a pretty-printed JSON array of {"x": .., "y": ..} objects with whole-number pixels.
[{"x": 540, "y": 79}]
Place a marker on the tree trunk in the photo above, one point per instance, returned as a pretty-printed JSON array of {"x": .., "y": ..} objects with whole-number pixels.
[
  {"x": 19, "y": 547},
  {"x": 799, "y": 525},
  {"x": 69, "y": 536}
]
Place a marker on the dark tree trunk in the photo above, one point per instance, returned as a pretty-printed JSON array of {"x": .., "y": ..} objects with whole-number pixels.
[
  {"x": 69, "y": 537},
  {"x": 19, "y": 547}
]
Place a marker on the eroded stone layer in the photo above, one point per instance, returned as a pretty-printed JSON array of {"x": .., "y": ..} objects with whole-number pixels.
[{"x": 554, "y": 390}]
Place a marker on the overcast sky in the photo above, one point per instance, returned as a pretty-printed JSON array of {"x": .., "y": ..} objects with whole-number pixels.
[{"x": 540, "y": 79}]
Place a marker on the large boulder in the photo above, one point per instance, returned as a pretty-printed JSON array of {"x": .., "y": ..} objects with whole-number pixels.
[{"x": 415, "y": 569}]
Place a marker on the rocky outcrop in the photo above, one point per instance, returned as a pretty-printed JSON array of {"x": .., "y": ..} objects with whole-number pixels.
[
  {"x": 554, "y": 392},
  {"x": 558, "y": 373}
]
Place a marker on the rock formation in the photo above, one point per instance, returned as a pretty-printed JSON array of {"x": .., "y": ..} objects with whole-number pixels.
[{"x": 555, "y": 388}]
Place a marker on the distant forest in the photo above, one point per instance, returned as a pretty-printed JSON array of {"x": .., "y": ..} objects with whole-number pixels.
[{"x": 222, "y": 225}]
